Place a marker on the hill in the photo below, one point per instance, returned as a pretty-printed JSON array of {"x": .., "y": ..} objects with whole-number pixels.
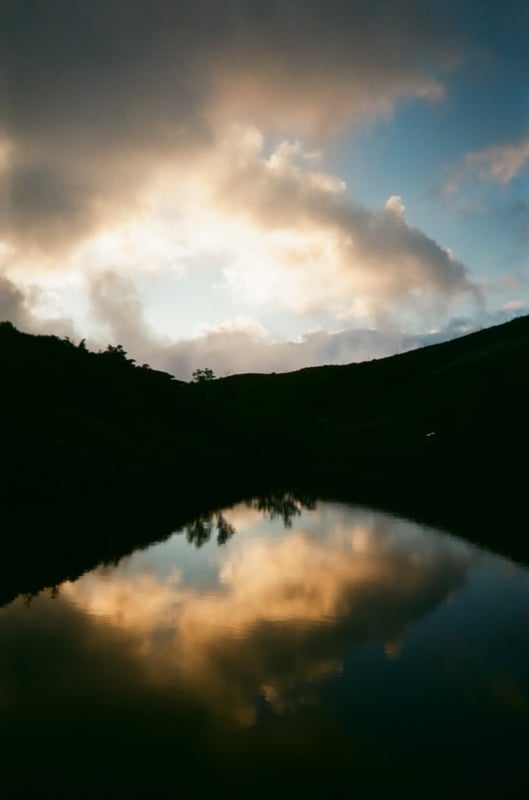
[
  {"x": 100, "y": 455},
  {"x": 466, "y": 399},
  {"x": 96, "y": 433},
  {"x": 98, "y": 421}
]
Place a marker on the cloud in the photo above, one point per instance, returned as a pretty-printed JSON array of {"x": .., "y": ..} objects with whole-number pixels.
[
  {"x": 236, "y": 347},
  {"x": 12, "y": 304},
  {"x": 499, "y": 163},
  {"x": 186, "y": 137},
  {"x": 240, "y": 347},
  {"x": 242, "y": 344},
  {"x": 101, "y": 97},
  {"x": 115, "y": 307},
  {"x": 20, "y": 306},
  {"x": 395, "y": 205},
  {"x": 276, "y": 232},
  {"x": 305, "y": 245}
]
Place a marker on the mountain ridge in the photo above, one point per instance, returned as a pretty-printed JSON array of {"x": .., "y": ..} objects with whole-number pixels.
[
  {"x": 456, "y": 399},
  {"x": 100, "y": 455}
]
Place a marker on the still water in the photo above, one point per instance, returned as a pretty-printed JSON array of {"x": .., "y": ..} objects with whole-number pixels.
[{"x": 277, "y": 646}]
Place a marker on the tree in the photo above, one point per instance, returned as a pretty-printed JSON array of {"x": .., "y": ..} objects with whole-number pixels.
[
  {"x": 201, "y": 375},
  {"x": 118, "y": 354}
]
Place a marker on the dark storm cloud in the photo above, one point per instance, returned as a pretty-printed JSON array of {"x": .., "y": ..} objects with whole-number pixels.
[{"x": 99, "y": 95}]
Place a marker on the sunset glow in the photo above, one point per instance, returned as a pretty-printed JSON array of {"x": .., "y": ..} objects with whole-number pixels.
[{"x": 304, "y": 169}]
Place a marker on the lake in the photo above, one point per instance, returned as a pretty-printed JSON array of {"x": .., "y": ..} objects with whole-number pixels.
[{"x": 282, "y": 645}]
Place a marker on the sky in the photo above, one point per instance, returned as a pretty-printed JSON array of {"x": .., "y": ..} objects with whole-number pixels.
[{"x": 262, "y": 186}]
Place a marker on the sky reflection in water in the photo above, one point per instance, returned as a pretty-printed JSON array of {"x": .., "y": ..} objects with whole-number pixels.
[{"x": 353, "y": 634}]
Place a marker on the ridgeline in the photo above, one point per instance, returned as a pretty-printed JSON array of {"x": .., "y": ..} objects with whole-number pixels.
[
  {"x": 97, "y": 449},
  {"x": 461, "y": 401}
]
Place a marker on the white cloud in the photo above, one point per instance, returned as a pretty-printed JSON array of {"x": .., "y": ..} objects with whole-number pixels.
[
  {"x": 244, "y": 345},
  {"x": 280, "y": 234},
  {"x": 158, "y": 159},
  {"x": 23, "y": 307},
  {"x": 309, "y": 247},
  {"x": 395, "y": 205},
  {"x": 499, "y": 163},
  {"x": 231, "y": 349}
]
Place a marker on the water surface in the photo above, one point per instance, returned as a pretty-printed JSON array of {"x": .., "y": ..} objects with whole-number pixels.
[{"x": 275, "y": 646}]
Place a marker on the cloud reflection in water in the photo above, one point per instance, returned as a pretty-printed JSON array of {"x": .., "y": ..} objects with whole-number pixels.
[{"x": 285, "y": 610}]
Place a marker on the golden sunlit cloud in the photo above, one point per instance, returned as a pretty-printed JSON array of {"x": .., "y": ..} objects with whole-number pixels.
[
  {"x": 199, "y": 156},
  {"x": 89, "y": 142},
  {"x": 283, "y": 235},
  {"x": 291, "y": 238}
]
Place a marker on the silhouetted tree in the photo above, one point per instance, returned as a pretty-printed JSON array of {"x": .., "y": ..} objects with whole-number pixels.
[
  {"x": 199, "y": 531},
  {"x": 286, "y": 505},
  {"x": 118, "y": 353},
  {"x": 224, "y": 529},
  {"x": 201, "y": 375}
]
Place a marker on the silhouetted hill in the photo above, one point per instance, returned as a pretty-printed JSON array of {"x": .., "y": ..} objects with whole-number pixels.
[
  {"x": 99, "y": 454},
  {"x": 471, "y": 393},
  {"x": 82, "y": 427},
  {"x": 97, "y": 418}
]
